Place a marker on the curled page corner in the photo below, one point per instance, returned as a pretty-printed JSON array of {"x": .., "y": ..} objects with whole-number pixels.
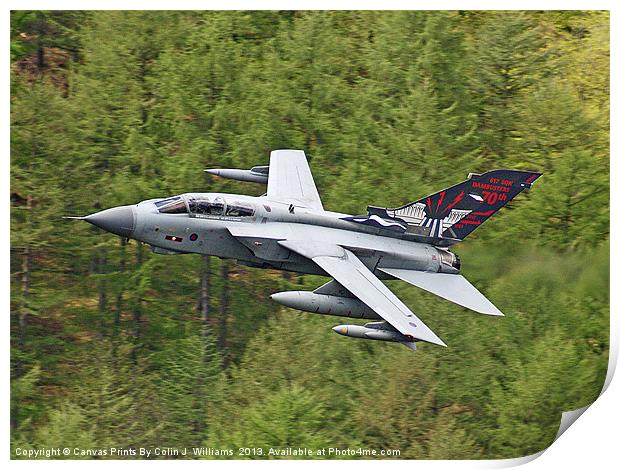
[{"x": 568, "y": 418}]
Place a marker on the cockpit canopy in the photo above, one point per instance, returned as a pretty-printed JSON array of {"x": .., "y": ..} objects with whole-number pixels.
[{"x": 205, "y": 206}]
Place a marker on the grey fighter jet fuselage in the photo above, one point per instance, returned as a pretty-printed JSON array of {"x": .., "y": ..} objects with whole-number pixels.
[{"x": 288, "y": 229}]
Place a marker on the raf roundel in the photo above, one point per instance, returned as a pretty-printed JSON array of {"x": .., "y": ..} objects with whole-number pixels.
[{"x": 193, "y": 237}]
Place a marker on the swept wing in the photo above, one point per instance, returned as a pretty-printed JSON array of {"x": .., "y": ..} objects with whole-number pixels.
[{"x": 348, "y": 270}]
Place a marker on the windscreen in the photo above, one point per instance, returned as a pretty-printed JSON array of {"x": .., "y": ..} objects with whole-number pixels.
[{"x": 173, "y": 205}]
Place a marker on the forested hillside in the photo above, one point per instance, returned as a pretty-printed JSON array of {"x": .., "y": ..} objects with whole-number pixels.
[{"x": 114, "y": 346}]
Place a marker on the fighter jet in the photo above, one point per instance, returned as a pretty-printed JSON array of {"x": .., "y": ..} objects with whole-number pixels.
[{"x": 288, "y": 229}]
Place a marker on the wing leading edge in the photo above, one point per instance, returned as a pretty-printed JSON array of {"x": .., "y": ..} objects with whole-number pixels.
[{"x": 348, "y": 270}]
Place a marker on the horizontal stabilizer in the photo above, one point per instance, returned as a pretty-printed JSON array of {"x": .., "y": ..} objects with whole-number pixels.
[{"x": 452, "y": 287}]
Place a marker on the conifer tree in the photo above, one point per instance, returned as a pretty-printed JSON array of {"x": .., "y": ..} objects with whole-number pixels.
[{"x": 510, "y": 57}]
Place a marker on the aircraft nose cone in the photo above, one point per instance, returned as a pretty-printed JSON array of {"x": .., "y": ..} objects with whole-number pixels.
[{"x": 118, "y": 220}]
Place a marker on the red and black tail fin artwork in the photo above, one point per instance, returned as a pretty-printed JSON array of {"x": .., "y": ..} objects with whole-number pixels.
[{"x": 457, "y": 211}]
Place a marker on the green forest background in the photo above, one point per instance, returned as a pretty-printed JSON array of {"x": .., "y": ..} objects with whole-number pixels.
[{"x": 114, "y": 346}]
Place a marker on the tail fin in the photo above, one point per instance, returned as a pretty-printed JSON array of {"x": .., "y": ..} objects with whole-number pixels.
[{"x": 455, "y": 212}]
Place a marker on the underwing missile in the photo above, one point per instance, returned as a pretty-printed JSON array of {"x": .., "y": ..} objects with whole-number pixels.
[
  {"x": 325, "y": 304},
  {"x": 379, "y": 331}
]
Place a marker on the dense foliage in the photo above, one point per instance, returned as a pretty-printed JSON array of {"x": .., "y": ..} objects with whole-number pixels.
[{"x": 114, "y": 346}]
